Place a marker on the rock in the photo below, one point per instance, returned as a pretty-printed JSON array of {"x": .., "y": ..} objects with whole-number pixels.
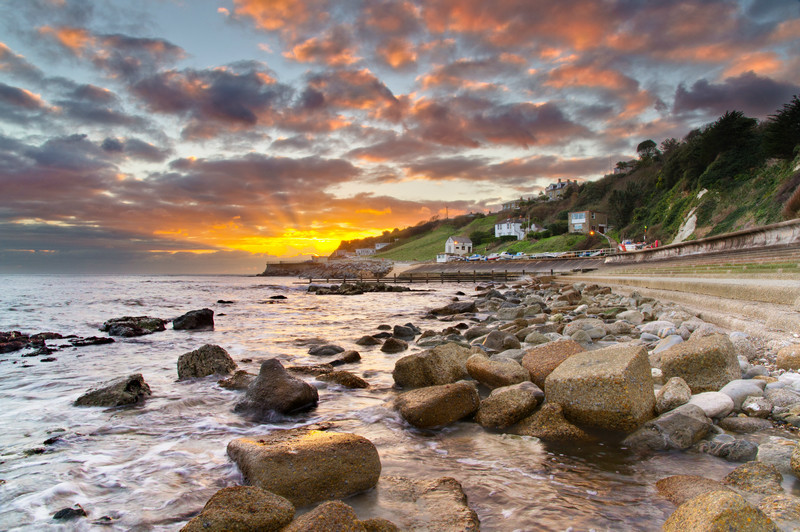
[
  {"x": 705, "y": 329},
  {"x": 732, "y": 451},
  {"x": 476, "y": 332},
  {"x": 118, "y": 392},
  {"x": 441, "y": 365},
  {"x": 328, "y": 516},
  {"x": 344, "y": 378},
  {"x": 66, "y": 514},
  {"x": 307, "y": 466},
  {"x": 783, "y": 509},
  {"x": 436, "y": 505},
  {"x": 367, "y": 341},
  {"x": 743, "y": 346},
  {"x": 794, "y": 461},
  {"x": 207, "y": 360},
  {"x": 436, "y": 406},
  {"x": 541, "y": 360},
  {"x": 314, "y": 369},
  {"x": 782, "y": 397},
  {"x": 672, "y": 395},
  {"x": 508, "y": 405},
  {"x": 777, "y": 452},
  {"x": 633, "y": 316},
  {"x": 510, "y": 313},
  {"x": 457, "y": 307},
  {"x": 91, "y": 340},
  {"x": 714, "y": 404},
  {"x": 789, "y": 357},
  {"x": 667, "y": 342},
  {"x": 129, "y": 326},
  {"x": 242, "y": 508},
  {"x": 403, "y": 333},
  {"x": 239, "y": 381},
  {"x": 755, "y": 477},
  {"x": 195, "y": 320},
  {"x": 610, "y": 388},
  {"x": 740, "y": 389},
  {"x": 744, "y": 425},
  {"x": 583, "y": 324},
  {"x": 677, "y": 429},
  {"x": 275, "y": 391},
  {"x": 717, "y": 511},
  {"x": 499, "y": 341},
  {"x": 706, "y": 363},
  {"x": 348, "y": 357},
  {"x": 549, "y": 425},
  {"x": 496, "y": 372},
  {"x": 759, "y": 407},
  {"x": 582, "y": 337},
  {"x": 393, "y": 345},
  {"x": 680, "y": 488},
  {"x": 379, "y": 524},
  {"x": 325, "y": 350},
  {"x": 536, "y": 338},
  {"x": 658, "y": 328}
]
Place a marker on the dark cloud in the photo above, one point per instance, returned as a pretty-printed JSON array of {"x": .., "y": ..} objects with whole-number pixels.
[
  {"x": 395, "y": 149},
  {"x": 750, "y": 93},
  {"x": 16, "y": 65},
  {"x": 135, "y": 149},
  {"x": 20, "y": 98}
]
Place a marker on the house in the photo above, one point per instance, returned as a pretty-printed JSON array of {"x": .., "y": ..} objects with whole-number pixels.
[
  {"x": 340, "y": 254},
  {"x": 587, "y": 221},
  {"x": 556, "y": 190},
  {"x": 511, "y": 205},
  {"x": 623, "y": 167},
  {"x": 458, "y": 245},
  {"x": 381, "y": 245},
  {"x": 362, "y": 252},
  {"x": 510, "y": 227}
]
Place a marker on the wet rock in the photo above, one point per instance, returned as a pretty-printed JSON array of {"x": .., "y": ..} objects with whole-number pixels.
[
  {"x": 610, "y": 388},
  {"x": 744, "y": 425},
  {"x": 777, "y": 452},
  {"x": 129, "y": 326},
  {"x": 441, "y": 365},
  {"x": 672, "y": 395},
  {"x": 677, "y": 429},
  {"x": 794, "y": 462},
  {"x": 439, "y": 505},
  {"x": 275, "y": 391},
  {"x": 326, "y": 350},
  {"x": 508, "y": 405},
  {"x": 344, "y": 378},
  {"x": 732, "y": 451},
  {"x": 706, "y": 363},
  {"x": 404, "y": 333},
  {"x": 393, "y": 345},
  {"x": 741, "y": 389},
  {"x": 66, "y": 514},
  {"x": 549, "y": 424},
  {"x": 789, "y": 357},
  {"x": 541, "y": 360},
  {"x": 242, "y": 508},
  {"x": 91, "y": 340},
  {"x": 327, "y": 517},
  {"x": 240, "y": 380},
  {"x": 118, "y": 392},
  {"x": 457, "y": 307},
  {"x": 207, "y": 360},
  {"x": 714, "y": 404},
  {"x": 307, "y": 466},
  {"x": 680, "y": 488},
  {"x": 755, "y": 477},
  {"x": 495, "y": 372},
  {"x": 347, "y": 357},
  {"x": 368, "y": 341},
  {"x": 436, "y": 406},
  {"x": 759, "y": 407},
  {"x": 717, "y": 511},
  {"x": 195, "y": 320},
  {"x": 783, "y": 509}
]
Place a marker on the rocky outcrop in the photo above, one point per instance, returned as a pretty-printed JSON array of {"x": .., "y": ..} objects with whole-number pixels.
[
  {"x": 441, "y": 365},
  {"x": 205, "y": 361},
  {"x": 118, "y": 392},
  {"x": 194, "y": 320},
  {"x": 306, "y": 465},
  {"x": 436, "y": 406},
  {"x": 242, "y": 508},
  {"x": 129, "y": 326},
  {"x": 274, "y": 391},
  {"x": 706, "y": 363},
  {"x": 355, "y": 289}
]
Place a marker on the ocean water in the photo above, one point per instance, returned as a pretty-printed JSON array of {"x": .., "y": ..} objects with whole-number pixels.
[{"x": 153, "y": 466}]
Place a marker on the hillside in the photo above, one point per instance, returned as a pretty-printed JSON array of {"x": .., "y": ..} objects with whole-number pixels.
[{"x": 735, "y": 173}]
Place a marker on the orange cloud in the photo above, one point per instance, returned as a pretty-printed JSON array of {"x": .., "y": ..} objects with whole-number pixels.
[
  {"x": 762, "y": 63},
  {"x": 398, "y": 53},
  {"x": 589, "y": 76},
  {"x": 287, "y": 16},
  {"x": 74, "y": 39},
  {"x": 333, "y": 49}
]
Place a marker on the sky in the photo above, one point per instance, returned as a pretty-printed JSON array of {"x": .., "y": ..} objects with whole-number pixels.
[{"x": 191, "y": 136}]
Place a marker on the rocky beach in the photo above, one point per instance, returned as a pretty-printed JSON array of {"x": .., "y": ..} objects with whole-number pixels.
[{"x": 533, "y": 404}]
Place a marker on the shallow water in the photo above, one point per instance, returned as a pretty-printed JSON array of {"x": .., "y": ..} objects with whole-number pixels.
[{"x": 152, "y": 467}]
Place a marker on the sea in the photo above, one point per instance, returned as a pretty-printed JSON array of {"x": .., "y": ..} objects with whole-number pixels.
[{"x": 153, "y": 466}]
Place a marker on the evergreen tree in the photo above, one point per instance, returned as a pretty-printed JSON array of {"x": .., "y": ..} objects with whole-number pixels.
[{"x": 782, "y": 132}]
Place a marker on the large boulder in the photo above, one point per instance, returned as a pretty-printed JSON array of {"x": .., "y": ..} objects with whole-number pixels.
[
  {"x": 435, "y": 406},
  {"x": 540, "y": 361},
  {"x": 118, "y": 392},
  {"x": 344, "y": 378},
  {"x": 306, "y": 465},
  {"x": 193, "y": 320},
  {"x": 549, "y": 424},
  {"x": 207, "y": 360},
  {"x": 394, "y": 345},
  {"x": 610, "y": 388},
  {"x": 676, "y": 429},
  {"x": 755, "y": 477},
  {"x": 717, "y": 511},
  {"x": 457, "y": 307},
  {"x": 672, "y": 395},
  {"x": 328, "y": 516},
  {"x": 441, "y": 365},
  {"x": 241, "y": 508},
  {"x": 505, "y": 406},
  {"x": 129, "y": 326},
  {"x": 680, "y": 488},
  {"x": 706, "y": 363},
  {"x": 496, "y": 372},
  {"x": 275, "y": 391}
]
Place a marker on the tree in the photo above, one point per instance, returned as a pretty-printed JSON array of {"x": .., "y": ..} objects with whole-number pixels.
[
  {"x": 782, "y": 133},
  {"x": 647, "y": 150}
]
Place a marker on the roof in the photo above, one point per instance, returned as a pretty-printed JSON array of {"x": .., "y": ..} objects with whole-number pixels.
[
  {"x": 460, "y": 238},
  {"x": 511, "y": 221}
]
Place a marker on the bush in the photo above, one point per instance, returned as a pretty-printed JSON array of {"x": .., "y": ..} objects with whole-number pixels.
[{"x": 557, "y": 228}]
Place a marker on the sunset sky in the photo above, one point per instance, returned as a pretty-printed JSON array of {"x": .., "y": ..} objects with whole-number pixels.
[{"x": 167, "y": 136}]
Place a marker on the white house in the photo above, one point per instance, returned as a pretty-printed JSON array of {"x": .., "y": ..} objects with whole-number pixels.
[
  {"x": 361, "y": 252},
  {"x": 510, "y": 227},
  {"x": 458, "y": 245}
]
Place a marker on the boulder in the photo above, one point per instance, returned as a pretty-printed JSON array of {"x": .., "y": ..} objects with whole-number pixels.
[
  {"x": 344, "y": 378},
  {"x": 783, "y": 509},
  {"x": 541, "y": 360},
  {"x": 328, "y": 516},
  {"x": 118, "y": 392},
  {"x": 240, "y": 508},
  {"x": 759, "y": 407},
  {"x": 794, "y": 461},
  {"x": 508, "y": 405},
  {"x": 194, "y": 320},
  {"x": 457, "y": 307},
  {"x": 441, "y": 365},
  {"x": 717, "y": 511},
  {"x": 744, "y": 425},
  {"x": 680, "y": 488},
  {"x": 732, "y": 451},
  {"x": 495, "y": 372},
  {"x": 325, "y": 350},
  {"x": 743, "y": 346},
  {"x": 782, "y": 397},
  {"x": 755, "y": 477},
  {"x": 129, "y": 326},
  {"x": 672, "y": 395},
  {"x": 240, "y": 380},
  {"x": 476, "y": 332},
  {"x": 677, "y": 429},
  {"x": 306, "y": 465},
  {"x": 274, "y": 391},
  {"x": 706, "y": 363},
  {"x": 714, "y": 404},
  {"x": 393, "y": 345},
  {"x": 549, "y": 424},
  {"x": 403, "y": 332},
  {"x": 609, "y": 388},
  {"x": 789, "y": 357},
  {"x": 499, "y": 341},
  {"x": 740, "y": 389},
  {"x": 367, "y": 341},
  {"x": 583, "y": 324},
  {"x": 347, "y": 357},
  {"x": 205, "y": 361},
  {"x": 435, "y": 406},
  {"x": 633, "y": 316}
]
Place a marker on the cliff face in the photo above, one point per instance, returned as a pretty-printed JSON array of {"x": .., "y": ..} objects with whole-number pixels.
[{"x": 346, "y": 268}]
